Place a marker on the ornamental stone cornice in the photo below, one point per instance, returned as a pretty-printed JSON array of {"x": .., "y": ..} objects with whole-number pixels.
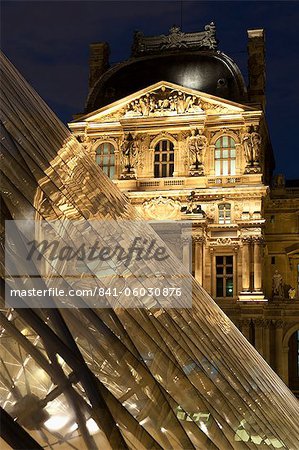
[
  {"x": 259, "y": 323},
  {"x": 278, "y": 323},
  {"x": 245, "y": 323},
  {"x": 176, "y": 39},
  {"x": 281, "y": 203}
]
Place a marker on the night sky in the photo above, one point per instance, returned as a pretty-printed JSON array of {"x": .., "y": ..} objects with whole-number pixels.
[{"x": 49, "y": 43}]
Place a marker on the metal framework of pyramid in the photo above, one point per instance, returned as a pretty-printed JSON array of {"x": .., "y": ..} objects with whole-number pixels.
[{"x": 117, "y": 378}]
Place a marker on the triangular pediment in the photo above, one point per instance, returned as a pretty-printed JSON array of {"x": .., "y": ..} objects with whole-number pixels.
[{"x": 164, "y": 99}]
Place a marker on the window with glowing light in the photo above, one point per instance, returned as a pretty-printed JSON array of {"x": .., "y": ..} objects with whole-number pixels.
[
  {"x": 224, "y": 276},
  {"x": 225, "y": 156},
  {"x": 105, "y": 158},
  {"x": 164, "y": 159},
  {"x": 224, "y": 213}
]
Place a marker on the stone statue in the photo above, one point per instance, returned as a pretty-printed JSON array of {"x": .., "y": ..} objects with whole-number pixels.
[
  {"x": 252, "y": 140},
  {"x": 197, "y": 147},
  {"x": 84, "y": 141},
  {"x": 279, "y": 181},
  {"x": 129, "y": 153},
  {"x": 247, "y": 146},
  {"x": 256, "y": 141},
  {"x": 277, "y": 284},
  {"x": 193, "y": 207}
]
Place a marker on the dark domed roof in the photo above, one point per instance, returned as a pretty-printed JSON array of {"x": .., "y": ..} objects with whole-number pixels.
[{"x": 187, "y": 59}]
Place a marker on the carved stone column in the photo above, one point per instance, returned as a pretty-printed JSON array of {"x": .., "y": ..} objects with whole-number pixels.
[
  {"x": 257, "y": 265},
  {"x": 278, "y": 324},
  {"x": 186, "y": 253},
  {"x": 198, "y": 258},
  {"x": 258, "y": 326},
  {"x": 245, "y": 328},
  {"x": 266, "y": 331},
  {"x": 245, "y": 265}
]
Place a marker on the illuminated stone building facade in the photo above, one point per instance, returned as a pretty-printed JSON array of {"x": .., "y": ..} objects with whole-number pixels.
[
  {"x": 179, "y": 133},
  {"x": 133, "y": 378}
]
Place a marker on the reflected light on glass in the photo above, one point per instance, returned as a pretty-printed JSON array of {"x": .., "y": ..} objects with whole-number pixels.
[
  {"x": 74, "y": 427},
  {"x": 142, "y": 422},
  {"x": 56, "y": 423},
  {"x": 204, "y": 427},
  {"x": 92, "y": 426}
]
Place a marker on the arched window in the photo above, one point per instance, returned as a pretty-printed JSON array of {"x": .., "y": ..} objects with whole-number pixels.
[
  {"x": 105, "y": 158},
  {"x": 224, "y": 213},
  {"x": 164, "y": 159},
  {"x": 225, "y": 156}
]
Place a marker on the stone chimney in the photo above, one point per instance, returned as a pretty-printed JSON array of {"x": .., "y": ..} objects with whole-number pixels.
[
  {"x": 98, "y": 61},
  {"x": 256, "y": 67}
]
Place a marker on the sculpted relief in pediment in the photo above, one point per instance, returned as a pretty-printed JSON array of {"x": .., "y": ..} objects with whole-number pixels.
[
  {"x": 167, "y": 101},
  {"x": 164, "y": 101}
]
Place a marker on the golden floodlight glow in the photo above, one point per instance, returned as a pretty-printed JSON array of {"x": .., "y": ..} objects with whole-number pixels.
[{"x": 56, "y": 423}]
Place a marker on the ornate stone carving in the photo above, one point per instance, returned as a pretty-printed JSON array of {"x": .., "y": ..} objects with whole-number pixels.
[
  {"x": 176, "y": 39},
  {"x": 184, "y": 134},
  {"x": 84, "y": 141},
  {"x": 192, "y": 206},
  {"x": 128, "y": 157},
  {"x": 279, "y": 181},
  {"x": 162, "y": 135},
  {"x": 142, "y": 144},
  {"x": 245, "y": 323},
  {"x": 213, "y": 107},
  {"x": 197, "y": 144},
  {"x": 267, "y": 323},
  {"x": 224, "y": 241},
  {"x": 252, "y": 141},
  {"x": 258, "y": 239},
  {"x": 278, "y": 323},
  {"x": 163, "y": 101},
  {"x": 277, "y": 285},
  {"x": 161, "y": 208},
  {"x": 246, "y": 239},
  {"x": 238, "y": 210},
  {"x": 198, "y": 238},
  {"x": 115, "y": 116},
  {"x": 259, "y": 323}
]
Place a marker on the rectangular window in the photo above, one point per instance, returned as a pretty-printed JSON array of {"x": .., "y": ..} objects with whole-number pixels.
[
  {"x": 164, "y": 159},
  {"x": 224, "y": 276},
  {"x": 224, "y": 211},
  {"x": 105, "y": 158},
  {"x": 225, "y": 156}
]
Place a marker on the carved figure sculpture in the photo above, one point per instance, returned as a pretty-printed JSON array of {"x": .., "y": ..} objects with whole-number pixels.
[
  {"x": 129, "y": 153},
  {"x": 163, "y": 101},
  {"x": 279, "y": 181},
  {"x": 192, "y": 206},
  {"x": 247, "y": 146},
  {"x": 252, "y": 140},
  {"x": 277, "y": 284},
  {"x": 256, "y": 141},
  {"x": 197, "y": 146}
]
